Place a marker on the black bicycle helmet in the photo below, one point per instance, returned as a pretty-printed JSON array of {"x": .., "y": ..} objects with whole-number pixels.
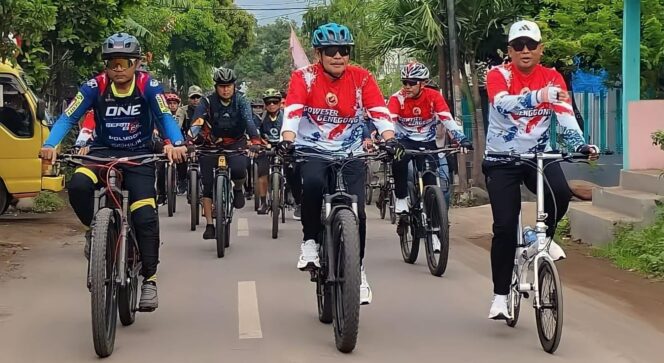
[
  {"x": 224, "y": 76},
  {"x": 121, "y": 45}
]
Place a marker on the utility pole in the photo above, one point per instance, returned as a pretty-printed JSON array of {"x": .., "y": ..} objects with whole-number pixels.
[{"x": 456, "y": 86}]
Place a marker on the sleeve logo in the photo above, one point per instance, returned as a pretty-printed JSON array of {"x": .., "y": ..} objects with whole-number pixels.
[
  {"x": 154, "y": 83},
  {"x": 75, "y": 103},
  {"x": 161, "y": 101},
  {"x": 92, "y": 83}
]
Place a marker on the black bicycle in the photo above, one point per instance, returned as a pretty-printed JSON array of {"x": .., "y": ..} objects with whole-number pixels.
[
  {"x": 222, "y": 196},
  {"x": 386, "y": 196},
  {"x": 115, "y": 260},
  {"x": 338, "y": 279},
  {"x": 427, "y": 217},
  {"x": 171, "y": 188},
  {"x": 276, "y": 196},
  {"x": 193, "y": 191}
]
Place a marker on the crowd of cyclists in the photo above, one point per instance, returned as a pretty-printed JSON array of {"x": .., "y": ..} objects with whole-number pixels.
[{"x": 331, "y": 107}]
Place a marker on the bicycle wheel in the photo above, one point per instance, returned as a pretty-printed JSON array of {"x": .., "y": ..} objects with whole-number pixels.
[
  {"x": 128, "y": 295},
  {"x": 323, "y": 290},
  {"x": 275, "y": 203},
  {"x": 393, "y": 214},
  {"x": 382, "y": 203},
  {"x": 437, "y": 228},
  {"x": 408, "y": 238},
  {"x": 514, "y": 300},
  {"x": 194, "y": 205},
  {"x": 346, "y": 292},
  {"x": 220, "y": 221},
  {"x": 171, "y": 192},
  {"x": 257, "y": 202},
  {"x": 103, "y": 288},
  {"x": 549, "y": 317}
]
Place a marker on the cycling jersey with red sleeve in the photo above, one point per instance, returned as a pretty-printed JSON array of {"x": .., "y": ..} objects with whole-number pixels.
[
  {"x": 416, "y": 118},
  {"x": 327, "y": 114},
  {"x": 86, "y": 135},
  {"x": 518, "y": 121}
]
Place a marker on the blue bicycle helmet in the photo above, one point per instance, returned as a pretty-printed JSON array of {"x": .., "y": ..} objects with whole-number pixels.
[{"x": 331, "y": 34}]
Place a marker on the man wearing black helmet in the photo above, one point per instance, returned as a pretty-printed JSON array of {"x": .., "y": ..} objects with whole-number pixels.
[
  {"x": 128, "y": 105},
  {"x": 222, "y": 120}
]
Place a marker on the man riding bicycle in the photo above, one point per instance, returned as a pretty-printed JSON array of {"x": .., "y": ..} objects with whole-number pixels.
[
  {"x": 418, "y": 110},
  {"x": 184, "y": 118},
  {"x": 221, "y": 121},
  {"x": 269, "y": 130},
  {"x": 324, "y": 110},
  {"x": 524, "y": 96},
  {"x": 128, "y": 104}
]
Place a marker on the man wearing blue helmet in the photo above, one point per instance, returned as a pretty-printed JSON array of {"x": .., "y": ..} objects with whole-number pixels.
[
  {"x": 324, "y": 114},
  {"x": 122, "y": 134}
]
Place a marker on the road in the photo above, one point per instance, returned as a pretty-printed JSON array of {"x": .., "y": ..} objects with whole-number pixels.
[{"x": 255, "y": 306}]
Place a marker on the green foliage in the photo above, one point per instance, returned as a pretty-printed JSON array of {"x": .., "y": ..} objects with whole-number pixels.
[
  {"x": 47, "y": 202},
  {"x": 658, "y": 138},
  {"x": 390, "y": 83},
  {"x": 639, "y": 250},
  {"x": 563, "y": 229}
]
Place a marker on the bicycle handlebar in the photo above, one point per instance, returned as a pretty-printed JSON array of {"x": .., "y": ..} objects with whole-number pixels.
[
  {"x": 79, "y": 159},
  {"x": 544, "y": 156},
  {"x": 340, "y": 159},
  {"x": 448, "y": 151}
]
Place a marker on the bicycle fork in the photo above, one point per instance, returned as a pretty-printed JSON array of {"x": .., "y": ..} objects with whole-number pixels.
[{"x": 121, "y": 262}]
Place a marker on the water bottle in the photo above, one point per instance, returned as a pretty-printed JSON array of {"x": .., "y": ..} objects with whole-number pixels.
[{"x": 529, "y": 236}]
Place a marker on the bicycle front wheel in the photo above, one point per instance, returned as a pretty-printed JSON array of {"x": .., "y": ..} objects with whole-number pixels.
[
  {"x": 393, "y": 214},
  {"x": 257, "y": 201},
  {"x": 193, "y": 199},
  {"x": 220, "y": 201},
  {"x": 171, "y": 182},
  {"x": 103, "y": 288},
  {"x": 437, "y": 230},
  {"x": 346, "y": 292},
  {"x": 276, "y": 203},
  {"x": 128, "y": 295},
  {"x": 514, "y": 300},
  {"x": 549, "y": 317}
]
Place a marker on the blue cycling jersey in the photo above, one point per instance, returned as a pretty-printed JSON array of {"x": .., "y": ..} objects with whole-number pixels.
[{"x": 123, "y": 121}]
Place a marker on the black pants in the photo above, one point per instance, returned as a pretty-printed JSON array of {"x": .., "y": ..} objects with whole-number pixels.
[
  {"x": 237, "y": 163},
  {"x": 294, "y": 181},
  {"x": 400, "y": 168},
  {"x": 182, "y": 172},
  {"x": 263, "y": 162},
  {"x": 503, "y": 182},
  {"x": 315, "y": 182},
  {"x": 140, "y": 182}
]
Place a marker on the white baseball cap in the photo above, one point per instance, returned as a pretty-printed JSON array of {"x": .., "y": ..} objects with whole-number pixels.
[{"x": 525, "y": 28}]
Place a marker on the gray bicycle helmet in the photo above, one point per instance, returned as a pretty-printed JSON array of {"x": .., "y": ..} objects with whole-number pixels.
[
  {"x": 121, "y": 45},
  {"x": 224, "y": 76}
]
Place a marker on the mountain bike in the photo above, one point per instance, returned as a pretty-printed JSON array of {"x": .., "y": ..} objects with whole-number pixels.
[
  {"x": 115, "y": 260},
  {"x": 222, "y": 196},
  {"x": 254, "y": 180},
  {"x": 534, "y": 269},
  {"x": 276, "y": 196},
  {"x": 427, "y": 217},
  {"x": 371, "y": 183},
  {"x": 171, "y": 188},
  {"x": 338, "y": 279},
  {"x": 386, "y": 196},
  {"x": 193, "y": 191}
]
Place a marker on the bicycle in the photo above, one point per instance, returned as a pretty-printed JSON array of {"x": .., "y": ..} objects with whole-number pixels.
[
  {"x": 222, "y": 196},
  {"x": 428, "y": 214},
  {"x": 535, "y": 259},
  {"x": 338, "y": 278},
  {"x": 371, "y": 183},
  {"x": 254, "y": 180},
  {"x": 276, "y": 196},
  {"x": 193, "y": 191},
  {"x": 115, "y": 261},
  {"x": 386, "y": 196},
  {"x": 171, "y": 188}
]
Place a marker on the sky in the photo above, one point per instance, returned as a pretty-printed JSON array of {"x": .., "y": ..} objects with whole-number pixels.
[{"x": 292, "y": 9}]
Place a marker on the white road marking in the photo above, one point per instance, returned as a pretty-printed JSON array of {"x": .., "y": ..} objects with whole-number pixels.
[
  {"x": 242, "y": 227},
  {"x": 247, "y": 308}
]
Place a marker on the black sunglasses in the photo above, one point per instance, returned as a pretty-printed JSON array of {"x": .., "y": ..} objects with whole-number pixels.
[
  {"x": 409, "y": 82},
  {"x": 273, "y": 102},
  {"x": 520, "y": 43},
  {"x": 194, "y": 97},
  {"x": 331, "y": 51}
]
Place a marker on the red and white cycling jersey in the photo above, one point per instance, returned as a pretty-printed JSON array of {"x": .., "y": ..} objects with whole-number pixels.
[
  {"x": 416, "y": 118},
  {"x": 327, "y": 114},
  {"x": 518, "y": 122}
]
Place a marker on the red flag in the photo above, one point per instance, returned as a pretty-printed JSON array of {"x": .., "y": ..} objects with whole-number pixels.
[{"x": 297, "y": 52}]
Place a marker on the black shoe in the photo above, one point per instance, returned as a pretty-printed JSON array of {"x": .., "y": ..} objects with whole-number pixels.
[
  {"x": 161, "y": 200},
  {"x": 248, "y": 194},
  {"x": 182, "y": 188},
  {"x": 263, "y": 209},
  {"x": 209, "y": 232},
  {"x": 238, "y": 199}
]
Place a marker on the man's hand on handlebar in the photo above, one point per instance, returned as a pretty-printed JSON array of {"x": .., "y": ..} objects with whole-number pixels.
[
  {"x": 395, "y": 149},
  {"x": 591, "y": 150},
  {"x": 177, "y": 154},
  {"x": 285, "y": 148},
  {"x": 48, "y": 153},
  {"x": 465, "y": 145},
  {"x": 83, "y": 150}
]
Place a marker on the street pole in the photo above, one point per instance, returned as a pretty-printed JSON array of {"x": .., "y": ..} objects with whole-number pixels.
[{"x": 456, "y": 87}]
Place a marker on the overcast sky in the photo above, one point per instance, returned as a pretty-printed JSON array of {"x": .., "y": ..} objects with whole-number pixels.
[{"x": 287, "y": 8}]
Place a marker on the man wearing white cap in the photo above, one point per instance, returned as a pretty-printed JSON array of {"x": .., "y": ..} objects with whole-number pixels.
[
  {"x": 183, "y": 116},
  {"x": 524, "y": 96}
]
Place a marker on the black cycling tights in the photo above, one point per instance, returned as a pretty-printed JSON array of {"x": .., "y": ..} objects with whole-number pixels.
[
  {"x": 140, "y": 182},
  {"x": 503, "y": 181}
]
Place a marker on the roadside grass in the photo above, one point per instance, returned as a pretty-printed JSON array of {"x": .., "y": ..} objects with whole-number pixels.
[
  {"x": 638, "y": 250},
  {"x": 47, "y": 201},
  {"x": 563, "y": 229}
]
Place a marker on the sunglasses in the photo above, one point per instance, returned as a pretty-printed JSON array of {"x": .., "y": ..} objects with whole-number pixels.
[
  {"x": 273, "y": 102},
  {"x": 343, "y": 50},
  {"x": 195, "y": 97},
  {"x": 122, "y": 63},
  {"x": 519, "y": 44},
  {"x": 256, "y": 106},
  {"x": 409, "y": 82}
]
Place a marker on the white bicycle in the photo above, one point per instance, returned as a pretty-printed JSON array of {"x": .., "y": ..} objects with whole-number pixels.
[{"x": 534, "y": 269}]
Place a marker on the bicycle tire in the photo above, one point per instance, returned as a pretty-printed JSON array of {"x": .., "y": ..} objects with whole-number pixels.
[
  {"x": 382, "y": 203},
  {"x": 257, "y": 202},
  {"x": 194, "y": 204},
  {"x": 102, "y": 269},
  {"x": 393, "y": 214},
  {"x": 550, "y": 301},
  {"x": 170, "y": 188},
  {"x": 346, "y": 292},
  {"x": 128, "y": 295},
  {"x": 514, "y": 301},
  {"x": 408, "y": 239},
  {"x": 323, "y": 290},
  {"x": 436, "y": 211},
  {"x": 220, "y": 221},
  {"x": 275, "y": 204}
]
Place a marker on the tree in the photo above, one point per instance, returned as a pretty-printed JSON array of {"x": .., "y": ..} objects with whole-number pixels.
[{"x": 27, "y": 19}]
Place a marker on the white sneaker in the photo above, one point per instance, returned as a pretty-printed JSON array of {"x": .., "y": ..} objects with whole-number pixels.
[
  {"x": 308, "y": 255},
  {"x": 556, "y": 252},
  {"x": 365, "y": 290},
  {"x": 498, "y": 309},
  {"x": 436, "y": 243},
  {"x": 401, "y": 205}
]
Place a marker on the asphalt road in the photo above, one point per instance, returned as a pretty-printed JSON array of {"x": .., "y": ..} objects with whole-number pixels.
[{"x": 255, "y": 306}]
